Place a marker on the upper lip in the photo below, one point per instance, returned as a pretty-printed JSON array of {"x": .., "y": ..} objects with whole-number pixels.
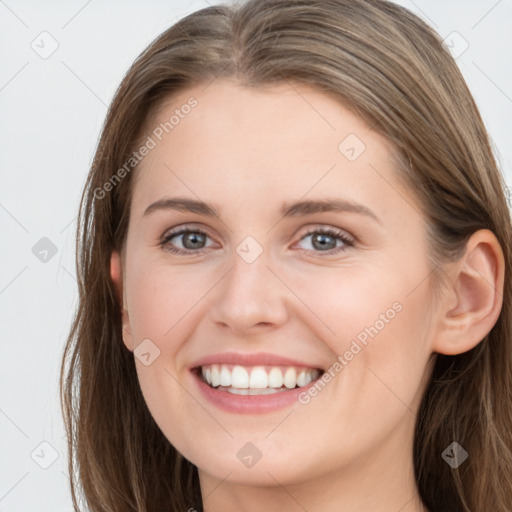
[{"x": 248, "y": 359}]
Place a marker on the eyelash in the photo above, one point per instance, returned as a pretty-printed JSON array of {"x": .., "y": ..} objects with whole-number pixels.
[{"x": 339, "y": 235}]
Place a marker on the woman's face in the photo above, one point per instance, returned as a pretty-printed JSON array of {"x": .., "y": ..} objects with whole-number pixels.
[{"x": 302, "y": 253}]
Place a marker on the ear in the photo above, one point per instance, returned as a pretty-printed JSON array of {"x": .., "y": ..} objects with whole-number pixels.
[
  {"x": 116, "y": 273},
  {"x": 474, "y": 295}
]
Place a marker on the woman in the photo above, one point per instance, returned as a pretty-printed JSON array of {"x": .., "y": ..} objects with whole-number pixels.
[{"x": 293, "y": 262}]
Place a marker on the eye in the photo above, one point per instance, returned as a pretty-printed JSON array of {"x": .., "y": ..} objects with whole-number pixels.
[
  {"x": 187, "y": 241},
  {"x": 327, "y": 240},
  {"x": 191, "y": 241}
]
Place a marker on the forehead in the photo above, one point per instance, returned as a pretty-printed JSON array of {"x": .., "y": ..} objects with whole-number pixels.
[{"x": 225, "y": 140}]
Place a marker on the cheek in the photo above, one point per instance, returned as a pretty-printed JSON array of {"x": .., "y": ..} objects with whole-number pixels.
[
  {"x": 161, "y": 298},
  {"x": 348, "y": 301},
  {"x": 374, "y": 319}
]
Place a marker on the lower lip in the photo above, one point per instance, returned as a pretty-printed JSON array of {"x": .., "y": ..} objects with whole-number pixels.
[{"x": 250, "y": 404}]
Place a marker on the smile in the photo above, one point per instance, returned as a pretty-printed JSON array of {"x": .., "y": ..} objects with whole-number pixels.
[
  {"x": 257, "y": 380},
  {"x": 254, "y": 383}
]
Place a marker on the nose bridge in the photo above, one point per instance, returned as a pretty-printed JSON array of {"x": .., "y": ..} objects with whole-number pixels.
[{"x": 250, "y": 294}]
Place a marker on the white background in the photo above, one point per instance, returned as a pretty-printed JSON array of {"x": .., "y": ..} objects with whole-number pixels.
[{"x": 52, "y": 110}]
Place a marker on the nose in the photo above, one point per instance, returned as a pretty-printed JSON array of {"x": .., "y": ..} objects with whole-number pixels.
[{"x": 250, "y": 297}]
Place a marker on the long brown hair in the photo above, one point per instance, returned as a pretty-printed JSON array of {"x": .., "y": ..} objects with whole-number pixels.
[{"x": 391, "y": 69}]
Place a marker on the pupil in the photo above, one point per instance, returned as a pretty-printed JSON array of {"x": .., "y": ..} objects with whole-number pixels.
[
  {"x": 319, "y": 241},
  {"x": 195, "y": 239}
]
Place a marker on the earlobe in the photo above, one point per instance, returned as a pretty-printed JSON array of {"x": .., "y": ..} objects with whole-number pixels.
[
  {"x": 474, "y": 296},
  {"x": 117, "y": 277}
]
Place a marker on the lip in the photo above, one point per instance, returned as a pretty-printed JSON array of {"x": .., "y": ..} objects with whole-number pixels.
[
  {"x": 249, "y": 404},
  {"x": 255, "y": 359}
]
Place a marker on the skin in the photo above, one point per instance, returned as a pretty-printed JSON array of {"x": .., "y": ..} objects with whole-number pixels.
[{"x": 247, "y": 151}]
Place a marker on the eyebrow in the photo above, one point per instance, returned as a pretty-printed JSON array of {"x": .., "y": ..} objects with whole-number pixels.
[{"x": 296, "y": 209}]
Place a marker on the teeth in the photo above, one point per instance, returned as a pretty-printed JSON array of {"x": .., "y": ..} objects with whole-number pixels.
[
  {"x": 207, "y": 374},
  {"x": 257, "y": 380},
  {"x": 290, "y": 378},
  {"x": 215, "y": 376},
  {"x": 225, "y": 376},
  {"x": 302, "y": 378},
  {"x": 239, "y": 377},
  {"x": 275, "y": 378},
  {"x": 266, "y": 391}
]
